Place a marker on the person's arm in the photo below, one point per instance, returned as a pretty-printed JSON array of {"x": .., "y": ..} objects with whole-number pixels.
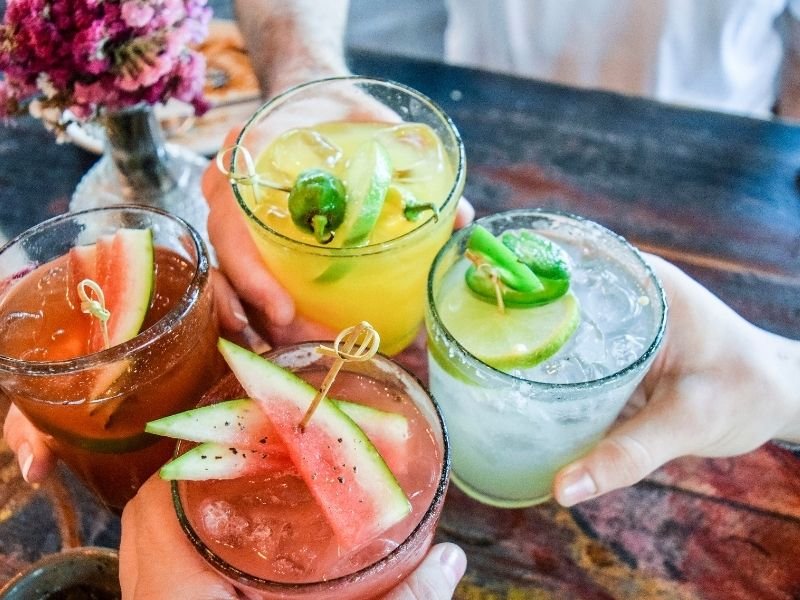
[{"x": 293, "y": 41}]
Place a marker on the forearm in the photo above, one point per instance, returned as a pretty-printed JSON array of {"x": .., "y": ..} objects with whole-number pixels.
[{"x": 292, "y": 41}]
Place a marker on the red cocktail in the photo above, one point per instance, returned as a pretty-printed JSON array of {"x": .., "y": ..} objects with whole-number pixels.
[
  {"x": 94, "y": 402},
  {"x": 266, "y": 530}
]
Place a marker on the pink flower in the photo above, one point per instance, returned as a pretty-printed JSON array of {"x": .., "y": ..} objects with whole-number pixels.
[
  {"x": 136, "y": 13},
  {"x": 87, "y": 48},
  {"x": 90, "y": 55}
]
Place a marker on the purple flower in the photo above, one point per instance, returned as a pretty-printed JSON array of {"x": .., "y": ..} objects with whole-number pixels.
[{"x": 90, "y": 55}]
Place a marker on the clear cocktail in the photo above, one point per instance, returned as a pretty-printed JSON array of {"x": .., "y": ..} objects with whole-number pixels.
[
  {"x": 528, "y": 387},
  {"x": 399, "y": 164},
  {"x": 266, "y": 529},
  {"x": 93, "y": 401}
]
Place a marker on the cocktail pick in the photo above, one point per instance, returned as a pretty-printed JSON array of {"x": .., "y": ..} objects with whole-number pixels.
[
  {"x": 368, "y": 341},
  {"x": 95, "y": 307},
  {"x": 251, "y": 177},
  {"x": 483, "y": 265}
]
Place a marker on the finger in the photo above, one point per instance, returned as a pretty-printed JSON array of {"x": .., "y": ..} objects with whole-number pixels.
[
  {"x": 35, "y": 458},
  {"x": 658, "y": 433},
  {"x": 229, "y": 309},
  {"x": 238, "y": 256},
  {"x": 300, "y": 330},
  {"x": 149, "y": 522},
  {"x": 465, "y": 213},
  {"x": 436, "y": 577}
]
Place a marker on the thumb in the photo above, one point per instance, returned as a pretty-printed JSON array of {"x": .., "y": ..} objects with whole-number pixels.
[
  {"x": 631, "y": 451},
  {"x": 436, "y": 577}
]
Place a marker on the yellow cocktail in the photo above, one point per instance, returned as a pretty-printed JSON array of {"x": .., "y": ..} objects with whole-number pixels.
[{"x": 371, "y": 267}]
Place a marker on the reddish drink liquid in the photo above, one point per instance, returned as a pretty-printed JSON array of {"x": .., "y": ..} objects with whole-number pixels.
[
  {"x": 100, "y": 433},
  {"x": 268, "y": 531}
]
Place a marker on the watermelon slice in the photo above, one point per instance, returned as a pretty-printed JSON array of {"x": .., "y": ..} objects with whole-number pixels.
[
  {"x": 242, "y": 424},
  {"x": 221, "y": 461},
  {"x": 350, "y": 481},
  {"x": 123, "y": 265},
  {"x": 125, "y": 272},
  {"x": 234, "y": 422}
]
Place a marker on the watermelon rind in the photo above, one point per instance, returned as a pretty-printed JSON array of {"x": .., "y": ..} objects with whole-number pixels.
[
  {"x": 222, "y": 461},
  {"x": 238, "y": 421},
  {"x": 242, "y": 423},
  {"x": 349, "y": 479},
  {"x": 128, "y": 284}
]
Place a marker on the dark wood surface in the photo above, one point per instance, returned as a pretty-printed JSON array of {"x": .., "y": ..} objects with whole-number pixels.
[{"x": 715, "y": 193}]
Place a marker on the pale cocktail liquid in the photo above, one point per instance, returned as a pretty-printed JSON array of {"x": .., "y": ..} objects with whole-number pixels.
[
  {"x": 509, "y": 437},
  {"x": 270, "y": 526},
  {"x": 339, "y": 286}
]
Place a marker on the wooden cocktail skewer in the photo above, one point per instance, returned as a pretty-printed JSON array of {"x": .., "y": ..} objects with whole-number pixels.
[
  {"x": 483, "y": 265},
  {"x": 95, "y": 307},
  {"x": 370, "y": 340}
]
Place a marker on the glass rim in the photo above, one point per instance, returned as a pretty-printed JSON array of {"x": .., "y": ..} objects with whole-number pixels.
[
  {"x": 200, "y": 278},
  {"x": 640, "y": 361},
  {"x": 368, "y": 570},
  {"x": 447, "y": 207}
]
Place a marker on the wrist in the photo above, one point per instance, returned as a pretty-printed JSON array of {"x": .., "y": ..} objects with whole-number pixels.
[{"x": 293, "y": 41}]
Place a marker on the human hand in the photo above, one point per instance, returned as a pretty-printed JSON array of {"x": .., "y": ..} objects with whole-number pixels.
[
  {"x": 149, "y": 522},
  {"x": 719, "y": 387},
  {"x": 272, "y": 307}
]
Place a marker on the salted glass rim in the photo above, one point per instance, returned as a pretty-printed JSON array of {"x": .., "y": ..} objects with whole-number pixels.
[
  {"x": 269, "y": 585},
  {"x": 147, "y": 337},
  {"x": 447, "y": 206},
  {"x": 582, "y": 222}
]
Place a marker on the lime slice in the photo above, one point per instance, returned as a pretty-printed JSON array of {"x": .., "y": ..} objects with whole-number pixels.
[
  {"x": 516, "y": 338},
  {"x": 367, "y": 180}
]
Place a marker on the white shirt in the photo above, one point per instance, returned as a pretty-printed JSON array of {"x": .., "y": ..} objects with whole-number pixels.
[{"x": 718, "y": 54}]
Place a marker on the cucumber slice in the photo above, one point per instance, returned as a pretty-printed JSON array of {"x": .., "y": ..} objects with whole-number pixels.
[{"x": 367, "y": 180}]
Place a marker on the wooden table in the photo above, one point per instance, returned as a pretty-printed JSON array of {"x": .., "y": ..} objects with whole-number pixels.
[{"x": 716, "y": 194}]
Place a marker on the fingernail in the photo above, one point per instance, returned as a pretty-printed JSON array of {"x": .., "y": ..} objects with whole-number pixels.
[
  {"x": 454, "y": 563},
  {"x": 576, "y": 486},
  {"x": 25, "y": 458},
  {"x": 241, "y": 317},
  {"x": 256, "y": 343}
]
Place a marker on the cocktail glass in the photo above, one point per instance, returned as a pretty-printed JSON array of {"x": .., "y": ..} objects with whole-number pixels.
[
  {"x": 253, "y": 551},
  {"x": 339, "y": 285},
  {"x": 99, "y": 433},
  {"x": 512, "y": 431}
]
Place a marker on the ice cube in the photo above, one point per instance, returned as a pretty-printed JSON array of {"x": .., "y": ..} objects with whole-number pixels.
[
  {"x": 625, "y": 349},
  {"x": 415, "y": 151},
  {"x": 223, "y": 523},
  {"x": 301, "y": 149}
]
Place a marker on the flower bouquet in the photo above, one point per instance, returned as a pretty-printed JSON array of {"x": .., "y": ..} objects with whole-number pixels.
[
  {"x": 109, "y": 62},
  {"x": 80, "y": 59}
]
